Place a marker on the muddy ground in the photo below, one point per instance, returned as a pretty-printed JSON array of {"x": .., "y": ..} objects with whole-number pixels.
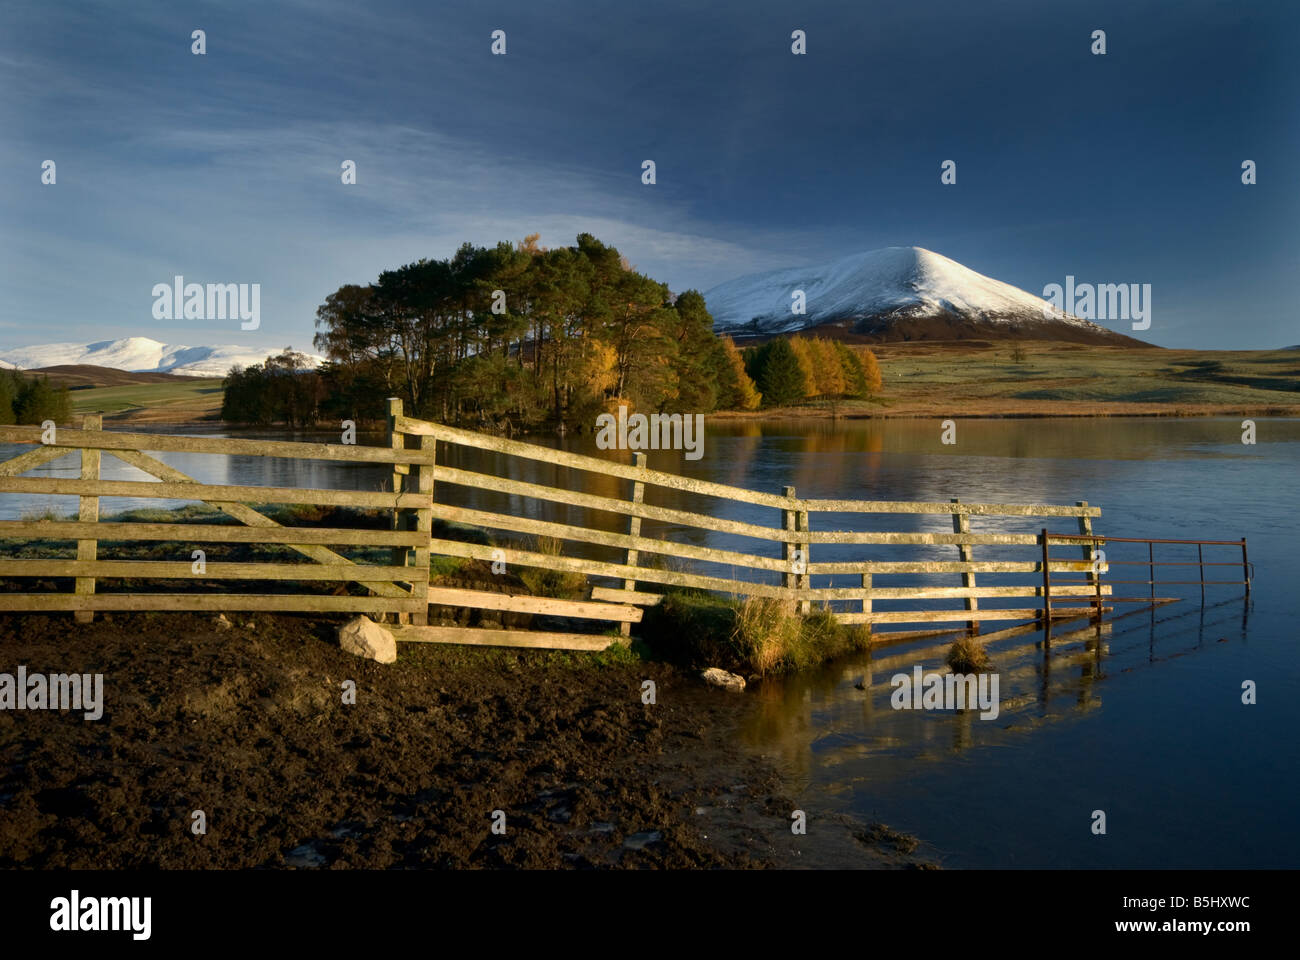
[{"x": 248, "y": 725}]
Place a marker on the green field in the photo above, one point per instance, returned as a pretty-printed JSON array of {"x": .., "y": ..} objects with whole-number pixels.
[{"x": 199, "y": 399}]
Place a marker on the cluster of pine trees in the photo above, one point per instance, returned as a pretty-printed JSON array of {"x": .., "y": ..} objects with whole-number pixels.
[
  {"x": 32, "y": 400},
  {"x": 505, "y": 337},
  {"x": 282, "y": 389},
  {"x": 788, "y": 371},
  {"x": 521, "y": 336}
]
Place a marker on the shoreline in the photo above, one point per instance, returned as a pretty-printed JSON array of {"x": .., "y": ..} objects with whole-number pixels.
[
  {"x": 1117, "y": 411},
  {"x": 246, "y": 723}
]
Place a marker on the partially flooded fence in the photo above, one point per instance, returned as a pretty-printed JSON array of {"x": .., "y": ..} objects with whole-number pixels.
[
  {"x": 775, "y": 559},
  {"x": 1154, "y": 568},
  {"x": 628, "y": 548}
]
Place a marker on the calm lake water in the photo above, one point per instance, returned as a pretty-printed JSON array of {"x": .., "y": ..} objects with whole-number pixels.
[{"x": 1142, "y": 720}]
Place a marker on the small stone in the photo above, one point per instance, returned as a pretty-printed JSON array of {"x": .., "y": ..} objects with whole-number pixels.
[
  {"x": 639, "y": 841},
  {"x": 305, "y": 856},
  {"x": 365, "y": 638},
  {"x": 716, "y": 677},
  {"x": 222, "y": 622}
]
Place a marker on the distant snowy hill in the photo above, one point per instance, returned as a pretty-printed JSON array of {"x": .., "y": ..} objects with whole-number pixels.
[
  {"x": 898, "y": 293},
  {"x": 140, "y": 354}
]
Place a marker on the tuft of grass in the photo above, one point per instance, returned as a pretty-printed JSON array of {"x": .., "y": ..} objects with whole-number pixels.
[
  {"x": 757, "y": 636},
  {"x": 42, "y": 514},
  {"x": 560, "y": 584},
  {"x": 446, "y": 566},
  {"x": 967, "y": 655}
]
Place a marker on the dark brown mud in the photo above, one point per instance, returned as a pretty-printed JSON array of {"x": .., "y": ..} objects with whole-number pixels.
[{"x": 249, "y": 726}]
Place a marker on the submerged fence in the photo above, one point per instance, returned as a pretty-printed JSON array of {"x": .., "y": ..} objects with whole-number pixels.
[{"x": 627, "y": 548}]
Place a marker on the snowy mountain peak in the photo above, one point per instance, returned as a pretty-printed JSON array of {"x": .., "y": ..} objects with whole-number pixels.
[
  {"x": 895, "y": 293},
  {"x": 140, "y": 354}
]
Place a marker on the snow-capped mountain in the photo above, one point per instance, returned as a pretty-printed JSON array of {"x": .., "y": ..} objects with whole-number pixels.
[
  {"x": 898, "y": 293},
  {"x": 141, "y": 354}
]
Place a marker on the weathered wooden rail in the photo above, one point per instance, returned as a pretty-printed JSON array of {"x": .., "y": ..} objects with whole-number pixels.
[{"x": 629, "y": 547}]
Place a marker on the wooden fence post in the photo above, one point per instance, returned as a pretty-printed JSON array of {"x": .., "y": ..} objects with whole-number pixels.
[
  {"x": 88, "y": 513},
  {"x": 961, "y": 524},
  {"x": 397, "y": 441},
  {"x": 424, "y": 524},
  {"x": 1047, "y": 583},
  {"x": 1089, "y": 546},
  {"x": 866, "y": 595},
  {"x": 805, "y": 579},
  {"x": 634, "y": 530},
  {"x": 1245, "y": 565},
  {"x": 790, "y": 580}
]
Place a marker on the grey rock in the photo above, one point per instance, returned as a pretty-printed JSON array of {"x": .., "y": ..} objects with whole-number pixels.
[
  {"x": 365, "y": 638},
  {"x": 716, "y": 677}
]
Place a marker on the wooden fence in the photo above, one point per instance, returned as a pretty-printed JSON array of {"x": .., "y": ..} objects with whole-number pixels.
[
  {"x": 778, "y": 562},
  {"x": 627, "y": 567},
  {"x": 389, "y": 588}
]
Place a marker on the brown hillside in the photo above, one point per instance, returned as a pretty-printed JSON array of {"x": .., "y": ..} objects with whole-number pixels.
[{"x": 82, "y": 375}]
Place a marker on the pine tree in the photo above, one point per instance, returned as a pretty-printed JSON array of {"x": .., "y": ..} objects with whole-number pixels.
[
  {"x": 828, "y": 368},
  {"x": 736, "y": 390},
  {"x": 38, "y": 402},
  {"x": 782, "y": 379},
  {"x": 870, "y": 370},
  {"x": 807, "y": 364},
  {"x": 8, "y": 394},
  {"x": 855, "y": 381},
  {"x": 861, "y": 372}
]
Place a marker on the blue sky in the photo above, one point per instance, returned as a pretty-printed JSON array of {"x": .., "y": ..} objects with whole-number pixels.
[{"x": 1123, "y": 168}]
